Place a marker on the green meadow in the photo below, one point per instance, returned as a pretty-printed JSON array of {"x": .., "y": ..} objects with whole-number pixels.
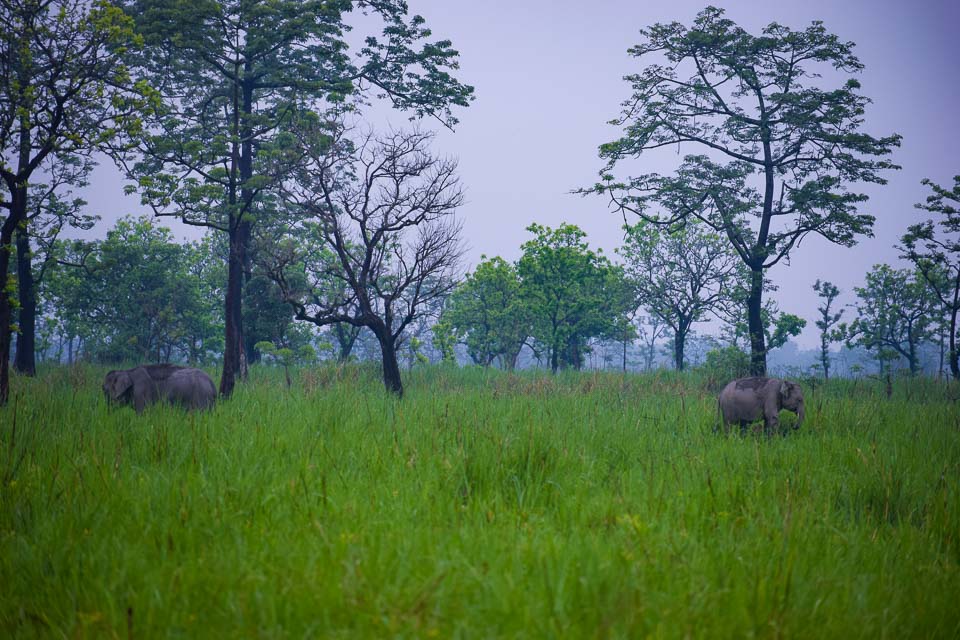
[{"x": 483, "y": 504}]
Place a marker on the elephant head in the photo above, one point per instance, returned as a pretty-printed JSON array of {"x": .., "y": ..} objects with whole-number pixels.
[
  {"x": 130, "y": 386},
  {"x": 791, "y": 398}
]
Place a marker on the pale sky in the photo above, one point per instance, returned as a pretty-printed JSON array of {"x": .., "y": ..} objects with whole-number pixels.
[{"x": 548, "y": 76}]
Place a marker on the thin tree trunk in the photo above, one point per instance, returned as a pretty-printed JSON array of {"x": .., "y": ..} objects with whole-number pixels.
[
  {"x": 25, "y": 358},
  {"x": 954, "y": 354},
  {"x": 624, "y": 352},
  {"x": 825, "y": 356},
  {"x": 758, "y": 350},
  {"x": 678, "y": 344},
  {"x": 6, "y": 310}
]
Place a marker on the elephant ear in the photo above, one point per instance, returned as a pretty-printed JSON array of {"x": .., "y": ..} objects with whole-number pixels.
[
  {"x": 144, "y": 388},
  {"x": 784, "y": 389},
  {"x": 118, "y": 383}
]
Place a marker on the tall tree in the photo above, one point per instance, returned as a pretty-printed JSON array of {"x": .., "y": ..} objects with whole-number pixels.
[
  {"x": 50, "y": 208},
  {"x": 235, "y": 74},
  {"x": 895, "y": 314},
  {"x": 680, "y": 275},
  {"x": 828, "y": 292},
  {"x": 936, "y": 254},
  {"x": 572, "y": 292},
  {"x": 487, "y": 312},
  {"x": 64, "y": 91},
  {"x": 383, "y": 208},
  {"x": 759, "y": 106}
]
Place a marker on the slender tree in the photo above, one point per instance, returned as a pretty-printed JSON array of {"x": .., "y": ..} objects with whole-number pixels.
[
  {"x": 758, "y": 106},
  {"x": 828, "y": 292},
  {"x": 934, "y": 247},
  {"x": 895, "y": 314},
  {"x": 680, "y": 275},
  {"x": 235, "y": 75},
  {"x": 64, "y": 91},
  {"x": 384, "y": 210}
]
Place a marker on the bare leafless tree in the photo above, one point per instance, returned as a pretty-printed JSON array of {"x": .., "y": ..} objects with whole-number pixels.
[{"x": 374, "y": 239}]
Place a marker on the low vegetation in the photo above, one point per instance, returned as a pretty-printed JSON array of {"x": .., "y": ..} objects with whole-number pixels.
[{"x": 484, "y": 504}]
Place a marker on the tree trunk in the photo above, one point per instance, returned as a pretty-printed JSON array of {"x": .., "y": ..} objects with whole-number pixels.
[
  {"x": 825, "y": 356},
  {"x": 954, "y": 354},
  {"x": 25, "y": 359},
  {"x": 391, "y": 368},
  {"x": 624, "y": 353},
  {"x": 6, "y": 310},
  {"x": 758, "y": 350},
  {"x": 678, "y": 342},
  {"x": 18, "y": 213},
  {"x": 244, "y": 227},
  {"x": 233, "y": 342},
  {"x": 346, "y": 337}
]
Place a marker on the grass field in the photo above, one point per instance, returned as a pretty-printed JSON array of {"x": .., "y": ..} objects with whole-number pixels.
[{"x": 484, "y": 504}]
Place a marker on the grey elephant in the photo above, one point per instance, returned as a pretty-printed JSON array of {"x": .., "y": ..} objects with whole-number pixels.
[
  {"x": 748, "y": 399},
  {"x": 143, "y": 385}
]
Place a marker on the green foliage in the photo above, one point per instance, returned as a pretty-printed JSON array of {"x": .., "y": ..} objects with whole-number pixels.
[
  {"x": 777, "y": 327},
  {"x": 486, "y": 505},
  {"x": 488, "y": 313},
  {"x": 786, "y": 325},
  {"x": 758, "y": 106},
  {"x": 268, "y": 318},
  {"x": 65, "y": 94},
  {"x": 571, "y": 292},
  {"x": 895, "y": 313},
  {"x": 680, "y": 275},
  {"x": 239, "y": 76},
  {"x": 934, "y": 248},
  {"x": 828, "y": 292},
  {"x": 725, "y": 364},
  {"x": 444, "y": 339},
  {"x": 136, "y": 296}
]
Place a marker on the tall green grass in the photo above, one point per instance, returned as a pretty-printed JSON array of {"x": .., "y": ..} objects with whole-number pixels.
[{"x": 483, "y": 504}]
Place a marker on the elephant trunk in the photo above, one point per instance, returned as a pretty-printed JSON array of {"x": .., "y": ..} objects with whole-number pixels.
[{"x": 800, "y": 415}]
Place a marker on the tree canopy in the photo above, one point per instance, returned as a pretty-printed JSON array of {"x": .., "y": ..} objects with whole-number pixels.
[
  {"x": 236, "y": 76},
  {"x": 572, "y": 293},
  {"x": 934, "y": 248},
  {"x": 778, "y": 150}
]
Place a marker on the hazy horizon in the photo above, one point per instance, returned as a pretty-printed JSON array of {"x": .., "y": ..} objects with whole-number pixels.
[{"x": 548, "y": 77}]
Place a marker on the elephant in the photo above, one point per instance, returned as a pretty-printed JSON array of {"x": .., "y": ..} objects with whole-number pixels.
[
  {"x": 748, "y": 399},
  {"x": 143, "y": 385}
]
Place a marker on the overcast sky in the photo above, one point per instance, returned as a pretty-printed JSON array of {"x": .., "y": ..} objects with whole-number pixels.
[{"x": 548, "y": 77}]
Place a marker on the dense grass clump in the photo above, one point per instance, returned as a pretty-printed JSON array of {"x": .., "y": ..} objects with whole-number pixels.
[{"x": 483, "y": 504}]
